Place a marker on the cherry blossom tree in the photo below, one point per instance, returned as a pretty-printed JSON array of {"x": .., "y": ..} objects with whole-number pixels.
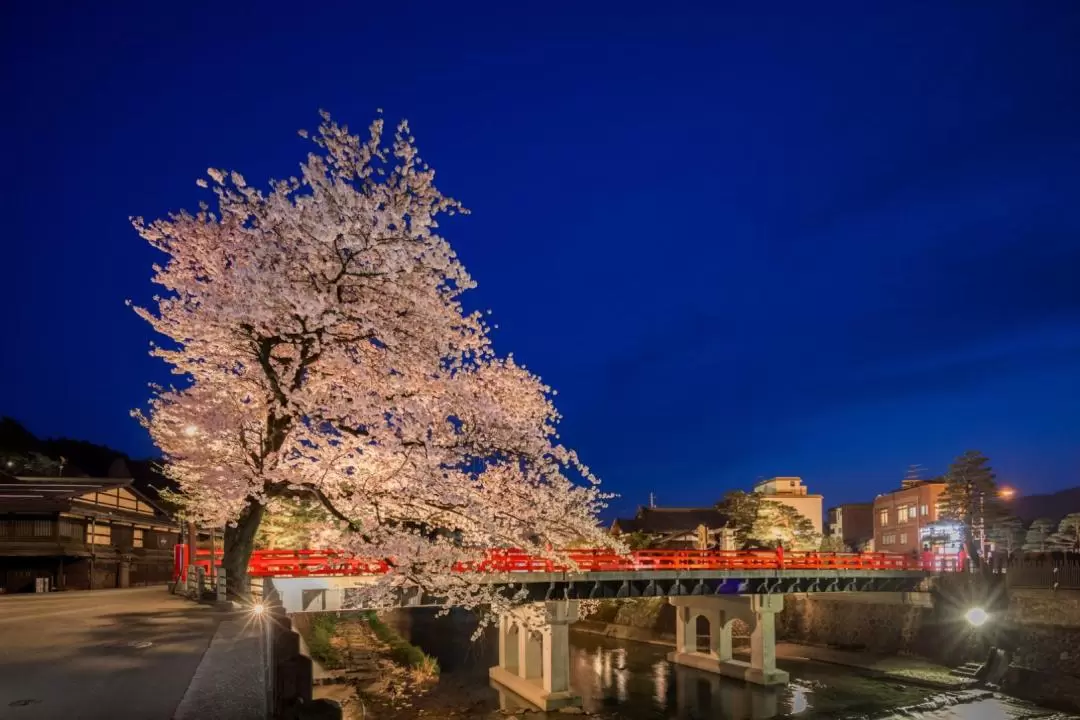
[{"x": 326, "y": 356}]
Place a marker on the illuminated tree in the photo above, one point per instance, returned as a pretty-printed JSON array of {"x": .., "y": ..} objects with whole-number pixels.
[
  {"x": 971, "y": 497},
  {"x": 1037, "y": 535},
  {"x": 834, "y": 543},
  {"x": 1067, "y": 537},
  {"x": 326, "y": 356},
  {"x": 1007, "y": 533},
  {"x": 766, "y": 523}
]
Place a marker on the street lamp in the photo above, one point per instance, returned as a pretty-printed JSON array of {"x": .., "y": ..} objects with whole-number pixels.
[
  {"x": 1006, "y": 493},
  {"x": 976, "y": 616},
  {"x": 190, "y": 430}
]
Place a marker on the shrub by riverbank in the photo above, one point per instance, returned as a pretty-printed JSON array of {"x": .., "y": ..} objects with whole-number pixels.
[{"x": 401, "y": 650}]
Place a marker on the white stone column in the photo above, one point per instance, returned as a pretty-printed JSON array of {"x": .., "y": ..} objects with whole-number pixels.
[
  {"x": 763, "y": 639},
  {"x": 721, "y": 644},
  {"x": 685, "y": 639},
  {"x": 556, "y": 645},
  {"x": 508, "y": 645},
  {"x": 530, "y": 655},
  {"x": 222, "y": 584}
]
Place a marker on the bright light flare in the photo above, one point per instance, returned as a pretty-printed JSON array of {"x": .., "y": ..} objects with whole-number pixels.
[
  {"x": 258, "y": 609},
  {"x": 977, "y": 616},
  {"x": 190, "y": 430},
  {"x": 1007, "y": 493}
]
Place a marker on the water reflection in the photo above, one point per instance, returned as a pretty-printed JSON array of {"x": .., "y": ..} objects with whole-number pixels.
[
  {"x": 605, "y": 677},
  {"x": 634, "y": 681}
]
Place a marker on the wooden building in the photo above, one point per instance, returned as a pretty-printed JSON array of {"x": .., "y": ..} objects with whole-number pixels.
[
  {"x": 77, "y": 533},
  {"x": 673, "y": 528}
]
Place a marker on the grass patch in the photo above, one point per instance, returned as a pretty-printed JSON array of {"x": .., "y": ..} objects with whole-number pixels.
[
  {"x": 403, "y": 652},
  {"x": 323, "y": 630}
]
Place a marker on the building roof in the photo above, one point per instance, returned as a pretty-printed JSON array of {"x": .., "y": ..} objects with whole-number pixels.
[
  {"x": 52, "y": 490},
  {"x": 56, "y": 494},
  {"x": 654, "y": 520}
]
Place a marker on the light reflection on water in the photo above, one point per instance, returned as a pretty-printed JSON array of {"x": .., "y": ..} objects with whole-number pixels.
[
  {"x": 634, "y": 681},
  {"x": 606, "y": 678}
]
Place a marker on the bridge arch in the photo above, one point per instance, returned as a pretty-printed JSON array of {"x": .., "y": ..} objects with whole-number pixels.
[{"x": 703, "y": 630}]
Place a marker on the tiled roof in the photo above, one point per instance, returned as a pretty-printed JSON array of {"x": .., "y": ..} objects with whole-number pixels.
[{"x": 654, "y": 520}]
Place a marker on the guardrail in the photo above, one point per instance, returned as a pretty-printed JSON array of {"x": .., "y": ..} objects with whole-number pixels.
[
  {"x": 304, "y": 563},
  {"x": 1036, "y": 574}
]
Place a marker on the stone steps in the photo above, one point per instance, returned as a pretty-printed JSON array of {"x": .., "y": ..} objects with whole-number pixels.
[{"x": 968, "y": 670}]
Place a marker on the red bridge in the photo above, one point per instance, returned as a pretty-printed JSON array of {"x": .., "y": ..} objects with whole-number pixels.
[{"x": 329, "y": 563}]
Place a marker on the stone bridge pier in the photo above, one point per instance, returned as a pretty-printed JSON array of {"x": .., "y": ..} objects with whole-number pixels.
[
  {"x": 758, "y": 611},
  {"x": 534, "y": 653}
]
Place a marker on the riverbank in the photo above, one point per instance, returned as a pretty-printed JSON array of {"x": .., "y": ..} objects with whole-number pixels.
[
  {"x": 364, "y": 664},
  {"x": 902, "y": 669}
]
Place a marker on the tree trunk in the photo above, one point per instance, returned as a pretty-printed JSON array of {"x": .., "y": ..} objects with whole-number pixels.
[{"x": 239, "y": 542}]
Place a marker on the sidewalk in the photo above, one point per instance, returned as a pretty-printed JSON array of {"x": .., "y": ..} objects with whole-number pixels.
[{"x": 230, "y": 681}]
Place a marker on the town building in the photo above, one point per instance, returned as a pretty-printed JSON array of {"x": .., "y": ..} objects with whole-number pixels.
[
  {"x": 78, "y": 533},
  {"x": 790, "y": 491},
  {"x": 674, "y": 528},
  {"x": 908, "y": 518},
  {"x": 853, "y": 523}
]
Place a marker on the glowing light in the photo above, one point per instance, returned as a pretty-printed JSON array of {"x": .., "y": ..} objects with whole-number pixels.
[
  {"x": 258, "y": 609},
  {"x": 190, "y": 430},
  {"x": 1007, "y": 493},
  {"x": 977, "y": 616}
]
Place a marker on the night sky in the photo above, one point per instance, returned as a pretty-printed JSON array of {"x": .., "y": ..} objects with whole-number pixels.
[{"x": 819, "y": 239}]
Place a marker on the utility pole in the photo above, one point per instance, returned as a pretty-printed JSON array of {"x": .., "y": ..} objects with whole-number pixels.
[{"x": 652, "y": 500}]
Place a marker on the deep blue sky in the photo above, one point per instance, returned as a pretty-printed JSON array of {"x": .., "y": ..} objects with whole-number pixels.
[{"x": 822, "y": 239}]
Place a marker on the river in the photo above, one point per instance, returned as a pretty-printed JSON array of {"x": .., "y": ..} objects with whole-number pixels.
[{"x": 634, "y": 681}]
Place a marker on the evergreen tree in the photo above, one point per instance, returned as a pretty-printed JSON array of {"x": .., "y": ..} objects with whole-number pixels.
[
  {"x": 765, "y": 523},
  {"x": 971, "y": 497},
  {"x": 1038, "y": 535},
  {"x": 834, "y": 543},
  {"x": 1067, "y": 537},
  {"x": 1007, "y": 534}
]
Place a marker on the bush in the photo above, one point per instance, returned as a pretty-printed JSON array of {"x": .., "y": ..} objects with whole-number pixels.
[
  {"x": 403, "y": 652},
  {"x": 323, "y": 629}
]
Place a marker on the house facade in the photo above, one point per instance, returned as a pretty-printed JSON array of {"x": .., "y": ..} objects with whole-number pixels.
[
  {"x": 790, "y": 491},
  {"x": 904, "y": 519},
  {"x": 853, "y": 523},
  {"x": 81, "y": 534}
]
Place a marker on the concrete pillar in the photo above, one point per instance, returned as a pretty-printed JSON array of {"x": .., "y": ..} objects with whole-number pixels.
[
  {"x": 685, "y": 641},
  {"x": 508, "y": 644},
  {"x": 535, "y": 665},
  {"x": 721, "y": 645},
  {"x": 757, "y": 610},
  {"x": 556, "y": 646},
  {"x": 530, "y": 655},
  {"x": 222, "y": 581},
  {"x": 763, "y": 640},
  {"x": 124, "y": 572}
]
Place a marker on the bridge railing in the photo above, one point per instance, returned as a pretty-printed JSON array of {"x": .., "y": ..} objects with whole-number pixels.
[{"x": 303, "y": 563}]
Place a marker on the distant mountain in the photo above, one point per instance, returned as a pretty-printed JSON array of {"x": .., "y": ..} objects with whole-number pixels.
[
  {"x": 84, "y": 459},
  {"x": 1054, "y": 506}
]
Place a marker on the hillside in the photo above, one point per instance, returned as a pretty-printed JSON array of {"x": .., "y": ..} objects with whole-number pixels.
[{"x": 1054, "y": 505}]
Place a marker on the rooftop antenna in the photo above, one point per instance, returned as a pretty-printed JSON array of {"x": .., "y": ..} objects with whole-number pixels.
[{"x": 652, "y": 500}]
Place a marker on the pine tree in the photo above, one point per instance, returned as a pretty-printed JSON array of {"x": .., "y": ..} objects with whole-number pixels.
[
  {"x": 1067, "y": 537},
  {"x": 1037, "y": 535},
  {"x": 1007, "y": 534},
  {"x": 971, "y": 497}
]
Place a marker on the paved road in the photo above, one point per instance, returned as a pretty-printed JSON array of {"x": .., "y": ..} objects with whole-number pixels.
[{"x": 103, "y": 654}]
